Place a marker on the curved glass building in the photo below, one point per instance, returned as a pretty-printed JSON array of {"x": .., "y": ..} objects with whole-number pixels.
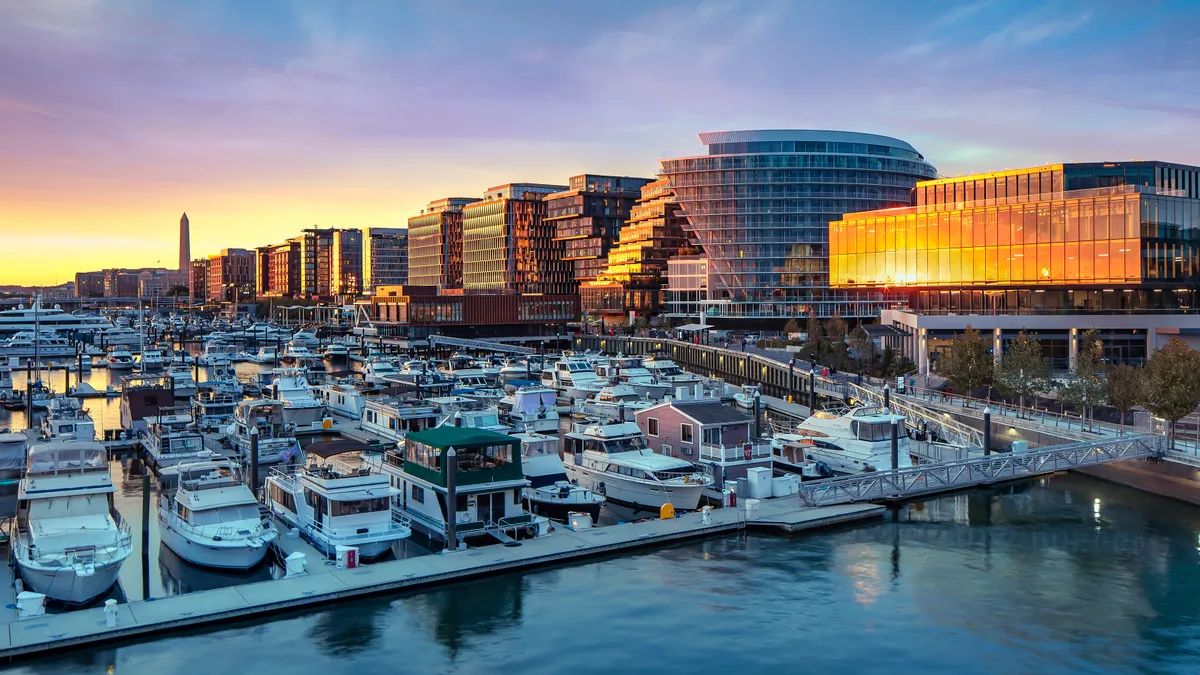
[{"x": 760, "y": 202}]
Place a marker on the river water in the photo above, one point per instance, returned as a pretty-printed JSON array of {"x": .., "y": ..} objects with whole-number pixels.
[{"x": 1057, "y": 575}]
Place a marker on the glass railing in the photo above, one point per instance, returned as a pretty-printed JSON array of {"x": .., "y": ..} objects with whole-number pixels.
[{"x": 1019, "y": 199}]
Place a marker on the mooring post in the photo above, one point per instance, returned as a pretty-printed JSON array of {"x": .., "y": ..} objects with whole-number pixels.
[
  {"x": 145, "y": 535},
  {"x": 451, "y": 499},
  {"x": 887, "y": 398},
  {"x": 254, "y": 460},
  {"x": 987, "y": 432},
  {"x": 895, "y": 443},
  {"x": 812, "y": 391}
]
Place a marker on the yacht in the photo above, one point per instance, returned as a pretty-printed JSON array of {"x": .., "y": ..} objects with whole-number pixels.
[
  {"x": 666, "y": 371},
  {"x": 212, "y": 518},
  {"x": 517, "y": 370},
  {"x": 214, "y": 406},
  {"x": 489, "y": 480},
  {"x": 69, "y": 541},
  {"x": 343, "y": 397},
  {"x": 336, "y": 351},
  {"x": 276, "y": 439},
  {"x": 119, "y": 358},
  {"x": 613, "y": 460},
  {"x": 574, "y": 377},
  {"x": 300, "y": 407},
  {"x": 27, "y": 318},
  {"x": 151, "y": 359},
  {"x": 630, "y": 371},
  {"x": 266, "y": 355},
  {"x": 40, "y": 394},
  {"x": 848, "y": 440},
  {"x": 118, "y": 336},
  {"x": 185, "y": 384},
  {"x": 304, "y": 338},
  {"x": 299, "y": 354},
  {"x": 5, "y": 376},
  {"x": 531, "y": 408},
  {"x": 12, "y": 453},
  {"x": 216, "y": 354},
  {"x": 335, "y": 503},
  {"x": 169, "y": 438},
  {"x": 44, "y": 343},
  {"x": 617, "y": 402},
  {"x": 66, "y": 418},
  {"x": 394, "y": 419},
  {"x": 550, "y": 492},
  {"x": 379, "y": 370}
]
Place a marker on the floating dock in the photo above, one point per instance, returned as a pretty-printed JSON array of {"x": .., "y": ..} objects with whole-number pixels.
[{"x": 325, "y": 583}]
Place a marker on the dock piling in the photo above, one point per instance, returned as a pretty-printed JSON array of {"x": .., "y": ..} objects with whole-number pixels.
[
  {"x": 145, "y": 535},
  {"x": 451, "y": 499},
  {"x": 254, "y": 460},
  {"x": 987, "y": 432},
  {"x": 895, "y": 442}
]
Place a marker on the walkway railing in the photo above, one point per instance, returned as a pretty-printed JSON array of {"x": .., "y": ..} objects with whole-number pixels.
[
  {"x": 947, "y": 476},
  {"x": 947, "y": 428}
]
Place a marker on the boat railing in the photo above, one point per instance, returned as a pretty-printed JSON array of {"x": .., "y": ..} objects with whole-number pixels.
[
  {"x": 87, "y": 555},
  {"x": 394, "y": 528},
  {"x": 742, "y": 451}
]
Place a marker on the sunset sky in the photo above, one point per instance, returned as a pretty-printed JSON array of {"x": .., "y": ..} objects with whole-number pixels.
[{"x": 262, "y": 117}]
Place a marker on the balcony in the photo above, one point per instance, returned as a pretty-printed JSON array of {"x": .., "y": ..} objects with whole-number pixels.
[{"x": 735, "y": 453}]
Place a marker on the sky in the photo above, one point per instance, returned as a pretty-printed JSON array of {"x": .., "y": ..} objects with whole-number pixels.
[{"x": 261, "y": 118}]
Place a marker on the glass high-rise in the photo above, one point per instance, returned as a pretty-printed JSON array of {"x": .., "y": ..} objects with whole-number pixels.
[{"x": 760, "y": 203}]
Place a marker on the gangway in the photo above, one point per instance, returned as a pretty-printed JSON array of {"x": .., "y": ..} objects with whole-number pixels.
[
  {"x": 480, "y": 345},
  {"x": 927, "y": 479},
  {"x": 947, "y": 428}
]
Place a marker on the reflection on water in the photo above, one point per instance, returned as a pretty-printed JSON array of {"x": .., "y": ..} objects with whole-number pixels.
[
  {"x": 458, "y": 615},
  {"x": 179, "y": 576}
]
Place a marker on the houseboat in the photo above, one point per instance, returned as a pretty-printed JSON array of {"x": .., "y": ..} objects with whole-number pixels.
[
  {"x": 276, "y": 439},
  {"x": 531, "y": 408},
  {"x": 343, "y": 397},
  {"x": 846, "y": 440},
  {"x": 141, "y": 397},
  {"x": 394, "y": 418},
  {"x": 169, "y": 437}
]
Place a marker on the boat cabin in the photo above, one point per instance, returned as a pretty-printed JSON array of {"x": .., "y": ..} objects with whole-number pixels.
[{"x": 393, "y": 419}]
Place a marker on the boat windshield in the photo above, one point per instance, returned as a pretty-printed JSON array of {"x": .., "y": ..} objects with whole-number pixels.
[
  {"x": 225, "y": 514},
  {"x": 612, "y": 445}
]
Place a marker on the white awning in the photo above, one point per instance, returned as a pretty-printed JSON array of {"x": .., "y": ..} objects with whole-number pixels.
[{"x": 693, "y": 327}]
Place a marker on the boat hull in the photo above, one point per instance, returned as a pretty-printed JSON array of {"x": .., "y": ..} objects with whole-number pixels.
[
  {"x": 302, "y": 417},
  {"x": 560, "y": 511},
  {"x": 634, "y": 493},
  {"x": 236, "y": 557},
  {"x": 67, "y": 585}
]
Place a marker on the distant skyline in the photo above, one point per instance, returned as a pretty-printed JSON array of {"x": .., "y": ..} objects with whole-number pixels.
[{"x": 260, "y": 119}]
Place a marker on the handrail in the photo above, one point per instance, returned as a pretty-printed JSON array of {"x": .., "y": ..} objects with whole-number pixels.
[
  {"x": 951, "y": 429},
  {"x": 1030, "y": 413}
]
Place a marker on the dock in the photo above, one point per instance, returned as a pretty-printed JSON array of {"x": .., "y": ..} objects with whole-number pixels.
[{"x": 324, "y": 583}]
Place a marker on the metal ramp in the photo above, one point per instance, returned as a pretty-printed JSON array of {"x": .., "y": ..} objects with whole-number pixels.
[
  {"x": 480, "y": 344},
  {"x": 500, "y": 535},
  {"x": 951, "y": 431},
  {"x": 944, "y": 477}
]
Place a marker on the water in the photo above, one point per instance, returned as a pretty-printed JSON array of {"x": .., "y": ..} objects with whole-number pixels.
[{"x": 1055, "y": 576}]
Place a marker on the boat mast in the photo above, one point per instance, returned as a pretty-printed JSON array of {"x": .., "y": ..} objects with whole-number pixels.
[
  {"x": 142, "y": 334},
  {"x": 37, "y": 340}
]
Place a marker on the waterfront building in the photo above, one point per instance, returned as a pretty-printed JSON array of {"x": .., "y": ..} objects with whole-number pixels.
[
  {"x": 346, "y": 263},
  {"x": 588, "y": 216},
  {"x": 435, "y": 241},
  {"x": 759, "y": 205},
  {"x": 316, "y": 264},
  {"x": 121, "y": 283},
  {"x": 509, "y": 246},
  {"x": 277, "y": 270},
  {"x": 198, "y": 280},
  {"x": 89, "y": 284},
  {"x": 400, "y": 313},
  {"x": 1054, "y": 249},
  {"x": 688, "y": 280},
  {"x": 384, "y": 257},
  {"x": 230, "y": 275}
]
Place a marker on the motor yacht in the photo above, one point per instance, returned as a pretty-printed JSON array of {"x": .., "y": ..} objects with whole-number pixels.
[
  {"x": 120, "y": 358},
  {"x": 550, "y": 492},
  {"x": 630, "y": 371},
  {"x": 40, "y": 344},
  {"x": 66, "y": 418},
  {"x": 212, "y": 518},
  {"x": 301, "y": 407},
  {"x": 216, "y": 354},
  {"x": 343, "y": 397},
  {"x": 336, "y": 351},
  {"x": 846, "y": 440},
  {"x": 298, "y": 354},
  {"x": 616, "y": 402},
  {"x": 379, "y": 370},
  {"x": 69, "y": 542},
  {"x": 304, "y": 338},
  {"x": 214, "y": 406},
  {"x": 181, "y": 377},
  {"x": 573, "y": 377},
  {"x": 119, "y": 336},
  {"x": 169, "y": 438},
  {"x": 266, "y": 355},
  {"x": 531, "y": 408},
  {"x": 394, "y": 418},
  {"x": 276, "y": 439},
  {"x": 12, "y": 453},
  {"x": 666, "y": 371},
  {"x": 336, "y": 503},
  {"x": 29, "y": 318},
  {"x": 613, "y": 460},
  {"x": 151, "y": 359}
]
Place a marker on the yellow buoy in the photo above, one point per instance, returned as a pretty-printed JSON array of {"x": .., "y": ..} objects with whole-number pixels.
[
  {"x": 666, "y": 512},
  {"x": 327, "y": 423}
]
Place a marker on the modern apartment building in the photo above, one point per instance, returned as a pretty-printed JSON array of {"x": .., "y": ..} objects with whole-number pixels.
[
  {"x": 759, "y": 203},
  {"x": 509, "y": 246},
  {"x": 384, "y": 257},
  {"x": 198, "y": 281},
  {"x": 346, "y": 263},
  {"x": 1054, "y": 249},
  {"x": 89, "y": 284},
  {"x": 231, "y": 275},
  {"x": 277, "y": 270},
  {"x": 435, "y": 241},
  {"x": 588, "y": 216}
]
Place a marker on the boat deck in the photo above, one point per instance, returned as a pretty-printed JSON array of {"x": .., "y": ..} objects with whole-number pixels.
[{"x": 326, "y": 583}]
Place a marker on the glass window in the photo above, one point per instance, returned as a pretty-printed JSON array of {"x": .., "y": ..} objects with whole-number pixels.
[
  {"x": 944, "y": 230},
  {"x": 1100, "y": 265},
  {"x": 1072, "y": 262},
  {"x": 1003, "y": 227},
  {"x": 1116, "y": 259},
  {"x": 1044, "y": 264},
  {"x": 1031, "y": 264},
  {"x": 1086, "y": 261},
  {"x": 1043, "y": 223},
  {"x": 1057, "y": 225},
  {"x": 652, "y": 426},
  {"x": 1018, "y": 263},
  {"x": 1131, "y": 217},
  {"x": 955, "y": 240},
  {"x": 1085, "y": 221},
  {"x": 1133, "y": 260},
  {"x": 1101, "y": 222},
  {"x": 991, "y": 261},
  {"x": 685, "y": 433}
]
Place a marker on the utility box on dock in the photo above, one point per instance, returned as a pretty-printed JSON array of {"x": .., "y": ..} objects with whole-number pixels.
[
  {"x": 758, "y": 481},
  {"x": 347, "y": 557},
  {"x": 1020, "y": 446}
]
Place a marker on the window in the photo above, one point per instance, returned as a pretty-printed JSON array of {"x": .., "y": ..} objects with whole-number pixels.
[
  {"x": 711, "y": 435},
  {"x": 685, "y": 433},
  {"x": 418, "y": 494},
  {"x": 359, "y": 506},
  {"x": 652, "y": 426}
]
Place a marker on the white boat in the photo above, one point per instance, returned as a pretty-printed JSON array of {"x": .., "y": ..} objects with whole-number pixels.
[
  {"x": 335, "y": 503},
  {"x": 12, "y": 453},
  {"x": 629, "y": 371},
  {"x": 69, "y": 541},
  {"x": 300, "y": 407},
  {"x": 613, "y": 460},
  {"x": 120, "y": 358},
  {"x": 212, "y": 518},
  {"x": 169, "y": 438},
  {"x": 151, "y": 358},
  {"x": 44, "y": 343},
  {"x": 666, "y": 371},
  {"x": 276, "y": 439},
  {"x": 379, "y": 370},
  {"x": 394, "y": 419},
  {"x": 6, "y": 383},
  {"x": 266, "y": 355},
  {"x": 336, "y": 351},
  {"x": 214, "y": 406},
  {"x": 26, "y": 318},
  {"x": 41, "y": 395},
  {"x": 216, "y": 354},
  {"x": 185, "y": 383},
  {"x": 573, "y": 377},
  {"x": 343, "y": 397},
  {"x": 848, "y": 440},
  {"x": 616, "y": 402},
  {"x": 550, "y": 492},
  {"x": 531, "y": 408},
  {"x": 119, "y": 336},
  {"x": 304, "y": 338},
  {"x": 516, "y": 370},
  {"x": 299, "y": 354},
  {"x": 66, "y": 418}
]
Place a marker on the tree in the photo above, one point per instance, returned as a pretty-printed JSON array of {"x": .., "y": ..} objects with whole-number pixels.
[
  {"x": 836, "y": 328},
  {"x": 1022, "y": 371},
  {"x": 1173, "y": 383},
  {"x": 1126, "y": 388},
  {"x": 1085, "y": 388},
  {"x": 792, "y": 326},
  {"x": 969, "y": 365},
  {"x": 815, "y": 344},
  {"x": 864, "y": 348}
]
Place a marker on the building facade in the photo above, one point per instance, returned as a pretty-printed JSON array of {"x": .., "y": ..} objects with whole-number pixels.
[
  {"x": 509, "y": 246},
  {"x": 413, "y": 312},
  {"x": 198, "y": 281},
  {"x": 89, "y": 284},
  {"x": 688, "y": 280},
  {"x": 231, "y": 275},
  {"x": 277, "y": 270},
  {"x": 635, "y": 273},
  {"x": 760, "y": 203},
  {"x": 385, "y": 257},
  {"x": 588, "y": 216},
  {"x": 435, "y": 241},
  {"x": 346, "y": 263},
  {"x": 1058, "y": 249}
]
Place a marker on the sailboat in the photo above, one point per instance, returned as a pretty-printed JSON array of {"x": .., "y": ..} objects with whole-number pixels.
[{"x": 39, "y": 393}]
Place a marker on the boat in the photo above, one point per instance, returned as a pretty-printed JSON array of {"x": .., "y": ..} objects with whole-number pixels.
[
  {"x": 6, "y": 383},
  {"x": 300, "y": 406},
  {"x": 181, "y": 377},
  {"x": 169, "y": 437},
  {"x": 304, "y": 338},
  {"x": 573, "y": 377},
  {"x": 118, "y": 336},
  {"x": 613, "y": 460},
  {"x": 151, "y": 359},
  {"x": 70, "y": 542},
  {"x": 343, "y": 397},
  {"x": 141, "y": 397},
  {"x": 629, "y": 371},
  {"x": 299, "y": 354},
  {"x": 489, "y": 482},
  {"x": 40, "y": 394},
  {"x": 615, "y": 402},
  {"x": 550, "y": 492},
  {"x": 212, "y": 518},
  {"x": 394, "y": 418},
  {"x": 666, "y": 371},
  {"x": 12, "y": 453},
  {"x": 276, "y": 439},
  {"x": 336, "y": 504},
  {"x": 119, "y": 358},
  {"x": 24, "y": 318},
  {"x": 44, "y": 343},
  {"x": 517, "y": 370},
  {"x": 336, "y": 351},
  {"x": 266, "y": 355},
  {"x": 66, "y": 418},
  {"x": 746, "y": 396},
  {"x": 846, "y": 440},
  {"x": 379, "y": 370},
  {"x": 85, "y": 390},
  {"x": 216, "y": 353},
  {"x": 213, "y": 407},
  {"x": 462, "y": 411},
  {"x": 531, "y": 408}
]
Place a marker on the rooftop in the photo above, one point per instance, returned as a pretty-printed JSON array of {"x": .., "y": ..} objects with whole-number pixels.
[
  {"x": 445, "y": 437},
  {"x": 747, "y": 136}
]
